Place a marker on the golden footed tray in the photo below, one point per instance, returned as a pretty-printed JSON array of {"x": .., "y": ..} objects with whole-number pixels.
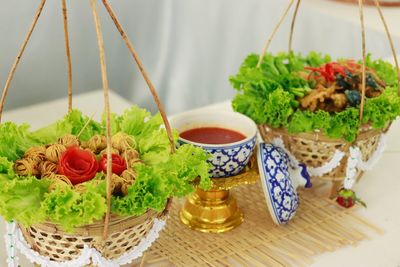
[{"x": 216, "y": 210}]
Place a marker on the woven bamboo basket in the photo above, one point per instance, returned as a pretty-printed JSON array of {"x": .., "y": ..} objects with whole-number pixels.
[
  {"x": 124, "y": 234},
  {"x": 115, "y": 235},
  {"x": 316, "y": 149}
]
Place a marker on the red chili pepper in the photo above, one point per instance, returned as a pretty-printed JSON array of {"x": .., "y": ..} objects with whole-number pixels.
[
  {"x": 339, "y": 69},
  {"x": 328, "y": 71},
  {"x": 118, "y": 164}
]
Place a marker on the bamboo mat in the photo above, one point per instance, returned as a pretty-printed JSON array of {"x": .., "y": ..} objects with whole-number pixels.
[{"x": 320, "y": 226}]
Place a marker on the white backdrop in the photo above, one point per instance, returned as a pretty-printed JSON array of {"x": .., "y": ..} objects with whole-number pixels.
[{"x": 190, "y": 47}]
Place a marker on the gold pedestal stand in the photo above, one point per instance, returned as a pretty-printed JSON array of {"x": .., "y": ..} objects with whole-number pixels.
[{"x": 216, "y": 210}]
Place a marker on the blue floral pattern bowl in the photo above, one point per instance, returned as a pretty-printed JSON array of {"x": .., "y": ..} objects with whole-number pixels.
[
  {"x": 280, "y": 179},
  {"x": 229, "y": 160},
  {"x": 226, "y": 159}
]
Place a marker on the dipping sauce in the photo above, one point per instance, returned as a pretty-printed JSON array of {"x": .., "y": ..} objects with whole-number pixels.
[{"x": 212, "y": 135}]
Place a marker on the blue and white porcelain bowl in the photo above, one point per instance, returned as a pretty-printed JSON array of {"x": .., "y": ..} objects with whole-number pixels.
[{"x": 227, "y": 159}]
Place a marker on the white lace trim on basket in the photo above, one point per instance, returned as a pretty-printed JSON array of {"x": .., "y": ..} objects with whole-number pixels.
[
  {"x": 317, "y": 171},
  {"x": 9, "y": 237},
  {"x": 88, "y": 255},
  {"x": 351, "y": 170},
  {"x": 367, "y": 165},
  {"x": 354, "y": 162}
]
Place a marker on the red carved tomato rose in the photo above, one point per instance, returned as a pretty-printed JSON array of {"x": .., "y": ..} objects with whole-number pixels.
[
  {"x": 118, "y": 164},
  {"x": 78, "y": 165}
]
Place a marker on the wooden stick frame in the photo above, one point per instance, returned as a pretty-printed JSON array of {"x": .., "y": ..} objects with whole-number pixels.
[
  {"x": 135, "y": 56},
  {"x": 104, "y": 75},
  {"x": 364, "y": 59},
  {"x": 103, "y": 66},
  {"x": 268, "y": 42},
  {"x": 390, "y": 39},
  {"x": 19, "y": 56},
  {"x": 293, "y": 24},
  {"x": 361, "y": 13},
  {"x": 68, "y": 53}
]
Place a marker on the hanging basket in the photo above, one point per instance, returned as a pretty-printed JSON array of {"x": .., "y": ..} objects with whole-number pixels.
[
  {"x": 329, "y": 159},
  {"x": 116, "y": 240}
]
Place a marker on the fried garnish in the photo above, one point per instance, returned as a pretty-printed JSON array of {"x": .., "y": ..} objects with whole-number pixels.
[{"x": 316, "y": 96}]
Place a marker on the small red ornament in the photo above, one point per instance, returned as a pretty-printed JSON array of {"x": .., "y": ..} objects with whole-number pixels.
[
  {"x": 118, "y": 164},
  {"x": 347, "y": 198}
]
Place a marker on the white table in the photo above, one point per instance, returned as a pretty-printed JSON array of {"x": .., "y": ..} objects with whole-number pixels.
[{"x": 379, "y": 188}]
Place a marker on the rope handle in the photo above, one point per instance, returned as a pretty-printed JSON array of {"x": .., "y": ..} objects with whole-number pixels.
[{"x": 361, "y": 13}]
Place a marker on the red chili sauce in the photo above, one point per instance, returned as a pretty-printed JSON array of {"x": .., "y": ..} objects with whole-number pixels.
[{"x": 212, "y": 135}]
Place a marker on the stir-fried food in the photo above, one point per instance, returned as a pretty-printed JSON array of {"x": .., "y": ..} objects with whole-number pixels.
[{"x": 338, "y": 85}]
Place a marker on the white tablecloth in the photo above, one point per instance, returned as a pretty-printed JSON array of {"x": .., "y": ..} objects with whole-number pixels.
[{"x": 379, "y": 188}]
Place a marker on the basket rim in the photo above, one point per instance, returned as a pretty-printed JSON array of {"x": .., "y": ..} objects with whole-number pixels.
[
  {"x": 117, "y": 224},
  {"x": 320, "y": 137}
]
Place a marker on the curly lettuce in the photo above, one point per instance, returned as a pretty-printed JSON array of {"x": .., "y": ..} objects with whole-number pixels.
[
  {"x": 155, "y": 184},
  {"x": 70, "y": 209},
  {"x": 381, "y": 110},
  {"x": 162, "y": 175},
  {"x": 73, "y": 123},
  {"x": 15, "y": 140},
  {"x": 20, "y": 197},
  {"x": 269, "y": 95}
]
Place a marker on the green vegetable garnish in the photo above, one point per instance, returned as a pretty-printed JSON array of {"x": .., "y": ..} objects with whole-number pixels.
[
  {"x": 162, "y": 175},
  {"x": 270, "y": 95}
]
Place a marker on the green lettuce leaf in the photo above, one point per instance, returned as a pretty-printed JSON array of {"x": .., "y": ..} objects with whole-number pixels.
[
  {"x": 384, "y": 70},
  {"x": 15, "y": 140},
  {"x": 155, "y": 184},
  {"x": 20, "y": 197},
  {"x": 345, "y": 124},
  {"x": 6, "y": 168},
  {"x": 152, "y": 139},
  {"x": 139, "y": 122},
  {"x": 273, "y": 109},
  {"x": 307, "y": 121},
  {"x": 71, "y": 209},
  {"x": 379, "y": 111},
  {"x": 72, "y": 123}
]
